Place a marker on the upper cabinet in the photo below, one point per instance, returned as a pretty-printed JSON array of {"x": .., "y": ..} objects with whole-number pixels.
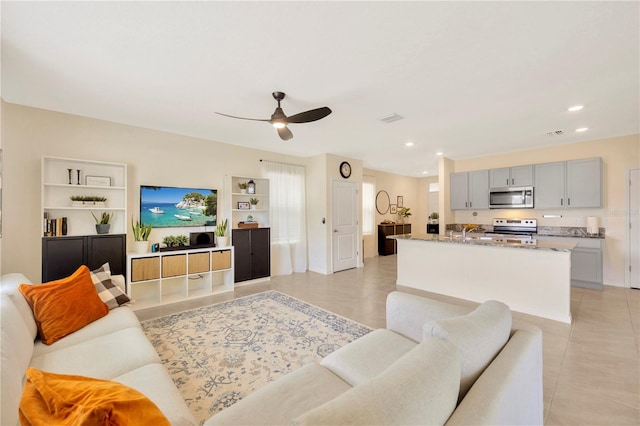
[
  {"x": 511, "y": 176},
  {"x": 570, "y": 184},
  {"x": 470, "y": 190},
  {"x": 73, "y": 189}
]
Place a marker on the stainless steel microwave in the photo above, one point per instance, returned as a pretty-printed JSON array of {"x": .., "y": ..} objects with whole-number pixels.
[{"x": 513, "y": 197}]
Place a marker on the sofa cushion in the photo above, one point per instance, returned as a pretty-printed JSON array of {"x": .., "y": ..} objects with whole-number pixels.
[
  {"x": 284, "y": 399},
  {"x": 479, "y": 336},
  {"x": 16, "y": 349},
  {"x": 364, "y": 358},
  {"x": 9, "y": 284},
  {"x": 50, "y": 399},
  {"x": 104, "y": 357},
  {"x": 63, "y": 306},
  {"x": 115, "y": 320},
  {"x": 108, "y": 292},
  {"x": 419, "y": 388},
  {"x": 407, "y": 313},
  {"x": 154, "y": 382}
]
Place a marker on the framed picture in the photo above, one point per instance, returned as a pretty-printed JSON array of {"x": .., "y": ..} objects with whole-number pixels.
[
  {"x": 400, "y": 201},
  {"x": 393, "y": 208},
  {"x": 244, "y": 205},
  {"x": 98, "y": 181}
]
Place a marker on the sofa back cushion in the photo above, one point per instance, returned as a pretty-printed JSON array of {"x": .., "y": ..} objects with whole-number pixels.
[
  {"x": 16, "y": 350},
  {"x": 10, "y": 284},
  {"x": 421, "y": 387},
  {"x": 63, "y": 306},
  {"x": 479, "y": 336}
]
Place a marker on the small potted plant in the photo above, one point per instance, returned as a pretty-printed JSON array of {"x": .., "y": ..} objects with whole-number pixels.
[
  {"x": 404, "y": 213},
  {"x": 221, "y": 234},
  {"x": 433, "y": 217},
  {"x": 141, "y": 235},
  {"x": 102, "y": 222},
  {"x": 243, "y": 187},
  {"x": 254, "y": 203}
]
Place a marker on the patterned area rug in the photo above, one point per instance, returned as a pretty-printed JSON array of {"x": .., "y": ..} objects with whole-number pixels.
[{"x": 219, "y": 354}]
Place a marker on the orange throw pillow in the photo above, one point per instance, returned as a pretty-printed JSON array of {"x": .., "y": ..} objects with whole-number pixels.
[
  {"x": 63, "y": 306},
  {"x": 60, "y": 399}
]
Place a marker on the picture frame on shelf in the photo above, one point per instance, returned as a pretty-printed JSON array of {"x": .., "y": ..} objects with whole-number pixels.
[
  {"x": 244, "y": 205},
  {"x": 400, "y": 201},
  {"x": 97, "y": 180},
  {"x": 393, "y": 208}
]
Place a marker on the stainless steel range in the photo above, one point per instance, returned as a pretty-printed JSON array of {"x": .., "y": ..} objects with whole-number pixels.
[
  {"x": 515, "y": 226},
  {"x": 514, "y": 231}
]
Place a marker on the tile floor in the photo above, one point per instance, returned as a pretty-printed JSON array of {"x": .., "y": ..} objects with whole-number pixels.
[{"x": 591, "y": 367}]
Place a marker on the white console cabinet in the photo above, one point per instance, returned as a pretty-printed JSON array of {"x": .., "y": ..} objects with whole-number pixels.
[{"x": 172, "y": 276}]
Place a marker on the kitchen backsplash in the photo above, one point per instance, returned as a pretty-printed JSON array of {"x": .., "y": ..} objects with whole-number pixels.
[{"x": 552, "y": 231}]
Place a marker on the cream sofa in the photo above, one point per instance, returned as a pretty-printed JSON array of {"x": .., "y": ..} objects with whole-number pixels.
[
  {"x": 435, "y": 363},
  {"x": 112, "y": 348}
]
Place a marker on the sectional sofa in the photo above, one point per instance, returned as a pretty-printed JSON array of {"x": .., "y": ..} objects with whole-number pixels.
[
  {"x": 113, "y": 347},
  {"x": 435, "y": 363}
]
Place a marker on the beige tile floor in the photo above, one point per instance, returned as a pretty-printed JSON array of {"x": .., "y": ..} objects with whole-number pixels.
[{"x": 591, "y": 367}]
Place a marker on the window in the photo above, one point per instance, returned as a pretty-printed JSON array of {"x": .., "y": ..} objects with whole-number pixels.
[{"x": 368, "y": 205}]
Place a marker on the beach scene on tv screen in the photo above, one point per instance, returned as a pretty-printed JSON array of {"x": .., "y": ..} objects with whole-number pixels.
[{"x": 163, "y": 206}]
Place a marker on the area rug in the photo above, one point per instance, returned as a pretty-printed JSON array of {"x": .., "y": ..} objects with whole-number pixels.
[{"x": 220, "y": 353}]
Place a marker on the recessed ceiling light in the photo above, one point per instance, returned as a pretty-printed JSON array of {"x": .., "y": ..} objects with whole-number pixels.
[
  {"x": 582, "y": 129},
  {"x": 439, "y": 153},
  {"x": 425, "y": 172},
  {"x": 576, "y": 108},
  {"x": 409, "y": 144}
]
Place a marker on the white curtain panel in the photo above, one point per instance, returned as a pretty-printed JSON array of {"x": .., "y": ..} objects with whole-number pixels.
[{"x": 288, "y": 223}]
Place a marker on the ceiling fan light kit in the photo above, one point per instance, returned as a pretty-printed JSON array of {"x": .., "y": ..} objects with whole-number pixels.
[{"x": 280, "y": 121}]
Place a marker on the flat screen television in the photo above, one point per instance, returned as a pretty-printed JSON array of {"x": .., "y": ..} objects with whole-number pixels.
[{"x": 169, "y": 207}]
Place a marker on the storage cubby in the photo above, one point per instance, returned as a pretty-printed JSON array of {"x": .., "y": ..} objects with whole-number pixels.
[{"x": 166, "y": 277}]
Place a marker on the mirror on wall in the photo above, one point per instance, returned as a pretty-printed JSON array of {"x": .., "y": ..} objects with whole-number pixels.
[{"x": 382, "y": 202}]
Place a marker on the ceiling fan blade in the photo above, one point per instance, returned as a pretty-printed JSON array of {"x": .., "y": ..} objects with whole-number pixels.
[
  {"x": 284, "y": 133},
  {"x": 244, "y": 118},
  {"x": 309, "y": 116}
]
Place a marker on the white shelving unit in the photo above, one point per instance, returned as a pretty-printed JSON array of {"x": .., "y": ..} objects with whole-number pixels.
[
  {"x": 172, "y": 276},
  {"x": 260, "y": 213},
  {"x": 58, "y": 185}
]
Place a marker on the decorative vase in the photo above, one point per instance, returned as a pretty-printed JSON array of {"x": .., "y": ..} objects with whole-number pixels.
[
  {"x": 222, "y": 241},
  {"x": 243, "y": 191},
  {"x": 102, "y": 228},
  {"x": 141, "y": 246},
  {"x": 254, "y": 206}
]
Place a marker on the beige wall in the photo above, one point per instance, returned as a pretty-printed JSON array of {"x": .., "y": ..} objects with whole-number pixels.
[
  {"x": 412, "y": 191},
  {"x": 618, "y": 155},
  {"x": 153, "y": 157}
]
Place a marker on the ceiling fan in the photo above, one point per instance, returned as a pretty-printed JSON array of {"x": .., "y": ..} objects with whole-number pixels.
[{"x": 280, "y": 121}]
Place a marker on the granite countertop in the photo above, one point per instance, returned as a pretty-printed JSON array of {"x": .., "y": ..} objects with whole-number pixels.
[
  {"x": 476, "y": 240},
  {"x": 547, "y": 231}
]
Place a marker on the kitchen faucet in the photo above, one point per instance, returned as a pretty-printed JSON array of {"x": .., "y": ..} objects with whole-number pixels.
[{"x": 464, "y": 230}]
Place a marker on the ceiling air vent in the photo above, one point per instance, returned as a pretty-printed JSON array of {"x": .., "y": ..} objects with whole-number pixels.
[
  {"x": 390, "y": 118},
  {"x": 555, "y": 133}
]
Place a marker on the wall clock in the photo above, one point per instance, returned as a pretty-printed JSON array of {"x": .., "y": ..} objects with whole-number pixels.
[{"x": 345, "y": 169}]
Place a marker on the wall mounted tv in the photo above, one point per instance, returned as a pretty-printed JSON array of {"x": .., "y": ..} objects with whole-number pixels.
[{"x": 165, "y": 206}]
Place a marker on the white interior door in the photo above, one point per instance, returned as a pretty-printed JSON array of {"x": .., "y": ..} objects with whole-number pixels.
[
  {"x": 634, "y": 228},
  {"x": 344, "y": 220}
]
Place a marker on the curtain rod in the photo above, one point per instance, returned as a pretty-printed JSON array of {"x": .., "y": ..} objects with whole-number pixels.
[{"x": 280, "y": 162}]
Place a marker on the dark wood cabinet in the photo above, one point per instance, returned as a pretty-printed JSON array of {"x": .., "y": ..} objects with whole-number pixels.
[
  {"x": 387, "y": 246},
  {"x": 252, "y": 253},
  {"x": 61, "y": 256}
]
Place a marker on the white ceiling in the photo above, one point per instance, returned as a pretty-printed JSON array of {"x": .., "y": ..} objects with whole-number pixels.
[{"x": 470, "y": 78}]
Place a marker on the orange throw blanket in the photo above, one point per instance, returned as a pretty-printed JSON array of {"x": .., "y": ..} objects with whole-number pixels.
[{"x": 59, "y": 399}]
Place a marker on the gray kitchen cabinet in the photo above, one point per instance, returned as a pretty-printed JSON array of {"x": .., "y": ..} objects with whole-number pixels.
[
  {"x": 584, "y": 183},
  {"x": 470, "y": 190},
  {"x": 511, "y": 176},
  {"x": 459, "y": 191},
  {"x": 568, "y": 184},
  {"x": 549, "y": 186},
  {"x": 586, "y": 261}
]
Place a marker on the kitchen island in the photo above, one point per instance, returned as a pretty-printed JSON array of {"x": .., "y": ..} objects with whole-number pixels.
[{"x": 531, "y": 277}]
